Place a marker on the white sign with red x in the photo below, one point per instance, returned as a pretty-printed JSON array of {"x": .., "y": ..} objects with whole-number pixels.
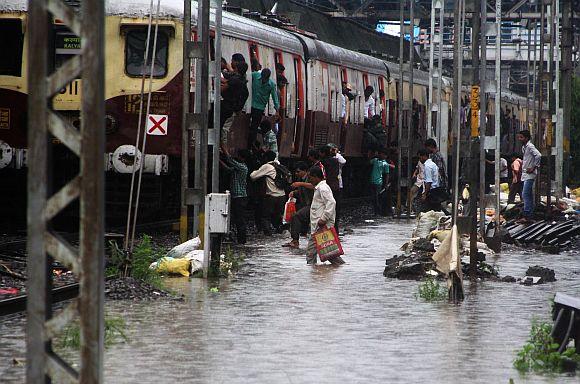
[{"x": 157, "y": 125}]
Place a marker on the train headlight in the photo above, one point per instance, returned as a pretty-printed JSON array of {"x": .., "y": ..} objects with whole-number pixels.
[
  {"x": 6, "y": 153},
  {"x": 126, "y": 158}
]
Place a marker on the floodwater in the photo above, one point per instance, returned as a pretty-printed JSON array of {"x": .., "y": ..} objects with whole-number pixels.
[{"x": 281, "y": 321}]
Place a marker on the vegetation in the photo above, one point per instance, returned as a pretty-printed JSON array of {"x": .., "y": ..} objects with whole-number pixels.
[
  {"x": 540, "y": 353},
  {"x": 114, "y": 333},
  {"x": 231, "y": 262},
  {"x": 431, "y": 290},
  {"x": 137, "y": 265},
  {"x": 575, "y": 134}
]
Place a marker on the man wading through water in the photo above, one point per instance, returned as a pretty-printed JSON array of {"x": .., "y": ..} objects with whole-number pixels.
[{"x": 322, "y": 213}]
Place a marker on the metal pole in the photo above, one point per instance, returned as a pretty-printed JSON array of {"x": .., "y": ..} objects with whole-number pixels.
[
  {"x": 430, "y": 129},
  {"x": 400, "y": 105},
  {"x": 528, "y": 80},
  {"x": 411, "y": 123},
  {"x": 456, "y": 75},
  {"x": 440, "y": 76},
  {"x": 476, "y": 36},
  {"x": 497, "y": 114},
  {"x": 482, "y": 115},
  {"x": 215, "y": 175},
  {"x": 559, "y": 137},
  {"x": 457, "y": 113},
  {"x": 541, "y": 107},
  {"x": 535, "y": 122},
  {"x": 43, "y": 364},
  {"x": 566, "y": 83},
  {"x": 186, "y": 80}
]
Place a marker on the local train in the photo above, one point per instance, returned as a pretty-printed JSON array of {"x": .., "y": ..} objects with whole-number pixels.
[{"x": 310, "y": 106}]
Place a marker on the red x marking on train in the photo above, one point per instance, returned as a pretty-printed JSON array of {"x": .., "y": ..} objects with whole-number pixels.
[{"x": 157, "y": 125}]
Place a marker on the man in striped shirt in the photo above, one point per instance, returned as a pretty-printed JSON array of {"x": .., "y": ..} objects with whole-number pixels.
[{"x": 239, "y": 174}]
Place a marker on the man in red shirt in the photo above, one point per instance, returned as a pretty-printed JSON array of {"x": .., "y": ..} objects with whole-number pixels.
[{"x": 516, "y": 184}]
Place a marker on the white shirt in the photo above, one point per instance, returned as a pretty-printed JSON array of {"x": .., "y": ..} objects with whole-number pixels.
[
  {"x": 503, "y": 168},
  {"x": 341, "y": 162},
  {"x": 421, "y": 174},
  {"x": 369, "y": 107},
  {"x": 269, "y": 172},
  {"x": 342, "y": 105},
  {"x": 431, "y": 173},
  {"x": 323, "y": 206}
]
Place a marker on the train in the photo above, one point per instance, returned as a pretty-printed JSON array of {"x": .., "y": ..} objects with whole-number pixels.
[{"x": 310, "y": 106}]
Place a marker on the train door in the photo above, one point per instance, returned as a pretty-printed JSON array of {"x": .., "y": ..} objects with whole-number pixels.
[
  {"x": 381, "y": 103},
  {"x": 298, "y": 106}
]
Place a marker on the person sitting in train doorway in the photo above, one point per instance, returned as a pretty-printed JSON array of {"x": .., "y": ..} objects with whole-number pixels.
[
  {"x": 345, "y": 98},
  {"x": 433, "y": 193},
  {"x": 369, "y": 110},
  {"x": 322, "y": 213},
  {"x": 275, "y": 197},
  {"x": 262, "y": 89}
]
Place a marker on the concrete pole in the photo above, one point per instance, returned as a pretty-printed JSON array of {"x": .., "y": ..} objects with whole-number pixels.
[
  {"x": 457, "y": 112},
  {"x": 215, "y": 173},
  {"x": 440, "y": 76}
]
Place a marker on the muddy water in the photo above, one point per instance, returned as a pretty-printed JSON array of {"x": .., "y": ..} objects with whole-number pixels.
[{"x": 280, "y": 321}]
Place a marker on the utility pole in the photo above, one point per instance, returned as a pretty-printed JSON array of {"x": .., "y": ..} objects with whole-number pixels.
[
  {"x": 457, "y": 54},
  {"x": 566, "y": 82},
  {"x": 482, "y": 115},
  {"x": 186, "y": 127},
  {"x": 411, "y": 122},
  {"x": 476, "y": 37},
  {"x": 497, "y": 116},
  {"x": 400, "y": 104},
  {"x": 44, "y": 245}
]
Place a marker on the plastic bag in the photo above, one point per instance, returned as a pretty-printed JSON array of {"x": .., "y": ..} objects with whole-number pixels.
[
  {"x": 183, "y": 249},
  {"x": 289, "y": 210},
  {"x": 327, "y": 244}
]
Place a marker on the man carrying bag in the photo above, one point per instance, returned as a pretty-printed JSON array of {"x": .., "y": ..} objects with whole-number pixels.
[{"x": 322, "y": 217}]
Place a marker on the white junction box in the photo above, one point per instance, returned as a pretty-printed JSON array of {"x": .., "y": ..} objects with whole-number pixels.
[{"x": 217, "y": 212}]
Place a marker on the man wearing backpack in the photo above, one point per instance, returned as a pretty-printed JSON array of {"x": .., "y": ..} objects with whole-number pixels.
[
  {"x": 275, "y": 196},
  {"x": 234, "y": 91}
]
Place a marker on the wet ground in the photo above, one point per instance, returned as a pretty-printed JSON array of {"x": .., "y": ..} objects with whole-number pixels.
[{"x": 280, "y": 321}]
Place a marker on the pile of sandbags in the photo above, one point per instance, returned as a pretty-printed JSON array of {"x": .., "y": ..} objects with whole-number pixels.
[{"x": 183, "y": 259}]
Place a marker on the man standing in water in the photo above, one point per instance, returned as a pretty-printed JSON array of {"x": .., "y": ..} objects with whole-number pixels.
[{"x": 322, "y": 213}]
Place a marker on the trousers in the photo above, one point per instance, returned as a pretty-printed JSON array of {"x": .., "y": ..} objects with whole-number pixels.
[
  {"x": 239, "y": 205},
  {"x": 255, "y": 119},
  {"x": 515, "y": 189},
  {"x": 300, "y": 222},
  {"x": 528, "y": 196},
  {"x": 273, "y": 209}
]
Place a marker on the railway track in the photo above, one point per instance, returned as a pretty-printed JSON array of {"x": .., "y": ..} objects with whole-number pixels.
[{"x": 18, "y": 303}]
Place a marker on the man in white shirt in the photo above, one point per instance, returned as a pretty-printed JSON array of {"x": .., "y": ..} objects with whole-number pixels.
[
  {"x": 322, "y": 213},
  {"x": 531, "y": 162},
  {"x": 275, "y": 198},
  {"x": 369, "y": 111},
  {"x": 433, "y": 195}
]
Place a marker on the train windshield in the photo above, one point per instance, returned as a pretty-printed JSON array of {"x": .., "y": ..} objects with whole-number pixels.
[
  {"x": 11, "y": 40},
  {"x": 135, "y": 53}
]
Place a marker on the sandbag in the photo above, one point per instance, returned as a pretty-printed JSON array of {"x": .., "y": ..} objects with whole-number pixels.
[
  {"x": 183, "y": 249},
  {"x": 172, "y": 266},
  {"x": 426, "y": 222}
]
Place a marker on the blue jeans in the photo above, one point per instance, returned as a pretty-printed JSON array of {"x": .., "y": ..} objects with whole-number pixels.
[{"x": 528, "y": 196}]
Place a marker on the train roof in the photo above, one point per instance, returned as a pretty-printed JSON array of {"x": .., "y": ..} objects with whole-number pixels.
[
  {"x": 320, "y": 50},
  {"x": 233, "y": 25}
]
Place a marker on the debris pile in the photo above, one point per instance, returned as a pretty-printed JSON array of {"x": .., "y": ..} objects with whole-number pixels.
[
  {"x": 538, "y": 275},
  {"x": 417, "y": 261},
  {"x": 549, "y": 235},
  {"x": 128, "y": 288}
]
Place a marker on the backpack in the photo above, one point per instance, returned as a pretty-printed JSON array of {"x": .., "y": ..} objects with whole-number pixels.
[
  {"x": 283, "y": 177},
  {"x": 242, "y": 96}
]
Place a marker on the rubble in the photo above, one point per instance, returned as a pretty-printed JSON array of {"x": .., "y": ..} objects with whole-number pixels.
[
  {"x": 129, "y": 288},
  {"x": 541, "y": 275}
]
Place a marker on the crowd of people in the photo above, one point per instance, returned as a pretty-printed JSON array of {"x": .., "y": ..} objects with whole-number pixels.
[{"x": 259, "y": 181}]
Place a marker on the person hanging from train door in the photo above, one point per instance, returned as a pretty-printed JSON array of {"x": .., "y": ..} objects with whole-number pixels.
[
  {"x": 345, "y": 98},
  {"x": 369, "y": 111},
  {"x": 262, "y": 89},
  {"x": 282, "y": 83},
  {"x": 234, "y": 91}
]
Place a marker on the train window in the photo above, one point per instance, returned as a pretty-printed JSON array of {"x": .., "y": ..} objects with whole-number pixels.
[
  {"x": 135, "y": 52},
  {"x": 11, "y": 40}
]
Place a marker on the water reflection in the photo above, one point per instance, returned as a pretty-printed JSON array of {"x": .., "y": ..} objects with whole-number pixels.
[{"x": 281, "y": 321}]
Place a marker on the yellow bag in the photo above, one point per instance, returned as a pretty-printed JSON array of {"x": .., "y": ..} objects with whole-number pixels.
[
  {"x": 505, "y": 187},
  {"x": 173, "y": 266}
]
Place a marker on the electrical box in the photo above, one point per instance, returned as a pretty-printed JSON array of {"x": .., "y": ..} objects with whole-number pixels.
[{"x": 217, "y": 212}]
